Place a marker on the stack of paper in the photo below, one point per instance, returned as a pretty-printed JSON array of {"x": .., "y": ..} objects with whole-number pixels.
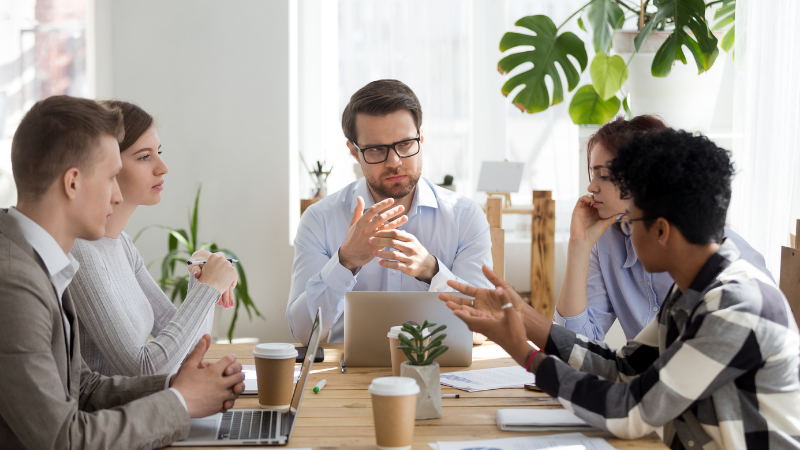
[
  {"x": 571, "y": 441},
  {"x": 539, "y": 420},
  {"x": 487, "y": 379}
]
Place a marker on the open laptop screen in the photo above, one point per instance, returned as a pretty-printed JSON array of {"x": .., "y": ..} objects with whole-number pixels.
[{"x": 305, "y": 369}]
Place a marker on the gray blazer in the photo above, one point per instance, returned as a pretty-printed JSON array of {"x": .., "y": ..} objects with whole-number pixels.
[{"x": 49, "y": 399}]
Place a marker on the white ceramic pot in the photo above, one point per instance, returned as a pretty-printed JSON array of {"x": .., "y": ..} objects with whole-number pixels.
[
  {"x": 429, "y": 400},
  {"x": 683, "y": 99}
]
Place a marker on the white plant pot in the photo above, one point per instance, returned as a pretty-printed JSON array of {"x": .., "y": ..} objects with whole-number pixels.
[
  {"x": 684, "y": 99},
  {"x": 429, "y": 399}
]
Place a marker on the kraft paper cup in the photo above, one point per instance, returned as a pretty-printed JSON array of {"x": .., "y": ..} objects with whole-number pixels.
[
  {"x": 275, "y": 375},
  {"x": 394, "y": 406},
  {"x": 397, "y": 355}
]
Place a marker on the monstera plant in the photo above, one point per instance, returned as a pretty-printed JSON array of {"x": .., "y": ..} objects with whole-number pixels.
[{"x": 598, "y": 102}]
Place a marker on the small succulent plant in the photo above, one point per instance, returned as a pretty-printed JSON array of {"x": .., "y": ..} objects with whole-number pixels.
[{"x": 416, "y": 351}]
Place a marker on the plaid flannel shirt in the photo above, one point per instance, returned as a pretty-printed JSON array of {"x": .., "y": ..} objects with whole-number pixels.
[{"x": 717, "y": 368}]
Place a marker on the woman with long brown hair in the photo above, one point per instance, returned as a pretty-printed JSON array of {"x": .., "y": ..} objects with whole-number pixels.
[{"x": 118, "y": 302}]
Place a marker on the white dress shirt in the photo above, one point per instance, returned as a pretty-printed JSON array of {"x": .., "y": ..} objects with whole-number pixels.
[
  {"x": 61, "y": 268},
  {"x": 450, "y": 226}
]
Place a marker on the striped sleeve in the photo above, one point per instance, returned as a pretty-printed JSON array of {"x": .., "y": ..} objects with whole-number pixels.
[{"x": 717, "y": 347}]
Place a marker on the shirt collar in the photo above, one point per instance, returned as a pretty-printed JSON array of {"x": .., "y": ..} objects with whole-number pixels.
[
  {"x": 631, "y": 258},
  {"x": 43, "y": 243},
  {"x": 719, "y": 261},
  {"x": 423, "y": 196}
]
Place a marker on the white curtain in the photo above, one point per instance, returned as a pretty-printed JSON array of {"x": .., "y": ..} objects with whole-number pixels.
[{"x": 766, "y": 144}]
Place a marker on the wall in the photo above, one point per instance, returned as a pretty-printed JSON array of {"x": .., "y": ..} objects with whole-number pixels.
[{"x": 217, "y": 76}]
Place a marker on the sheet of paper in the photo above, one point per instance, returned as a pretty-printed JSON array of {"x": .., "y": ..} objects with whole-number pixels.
[
  {"x": 487, "y": 379},
  {"x": 570, "y": 441},
  {"x": 250, "y": 380}
]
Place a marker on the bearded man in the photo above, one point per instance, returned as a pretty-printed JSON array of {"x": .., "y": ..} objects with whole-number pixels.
[{"x": 392, "y": 230}]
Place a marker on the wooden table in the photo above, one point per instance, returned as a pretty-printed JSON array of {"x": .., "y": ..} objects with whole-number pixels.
[{"x": 340, "y": 416}]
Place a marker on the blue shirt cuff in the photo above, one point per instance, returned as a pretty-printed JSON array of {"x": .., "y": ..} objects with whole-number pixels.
[
  {"x": 439, "y": 281},
  {"x": 574, "y": 323},
  {"x": 336, "y": 276}
]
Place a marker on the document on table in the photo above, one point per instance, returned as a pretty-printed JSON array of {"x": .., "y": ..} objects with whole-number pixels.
[
  {"x": 571, "y": 441},
  {"x": 487, "y": 379},
  {"x": 251, "y": 382},
  {"x": 539, "y": 420}
]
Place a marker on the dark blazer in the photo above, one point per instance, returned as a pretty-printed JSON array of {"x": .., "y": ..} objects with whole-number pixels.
[{"x": 49, "y": 399}]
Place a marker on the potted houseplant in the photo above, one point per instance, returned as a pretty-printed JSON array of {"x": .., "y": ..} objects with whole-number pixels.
[
  {"x": 448, "y": 183},
  {"x": 666, "y": 29},
  {"x": 421, "y": 366},
  {"x": 180, "y": 247}
]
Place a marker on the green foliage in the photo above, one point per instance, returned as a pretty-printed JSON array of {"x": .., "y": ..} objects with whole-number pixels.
[
  {"x": 627, "y": 107},
  {"x": 418, "y": 353},
  {"x": 588, "y": 108},
  {"x": 180, "y": 247},
  {"x": 609, "y": 73},
  {"x": 549, "y": 49},
  {"x": 725, "y": 16},
  {"x": 605, "y": 17},
  {"x": 448, "y": 180},
  {"x": 684, "y": 14}
]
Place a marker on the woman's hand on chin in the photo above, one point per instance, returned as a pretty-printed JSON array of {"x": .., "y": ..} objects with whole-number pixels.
[{"x": 586, "y": 225}]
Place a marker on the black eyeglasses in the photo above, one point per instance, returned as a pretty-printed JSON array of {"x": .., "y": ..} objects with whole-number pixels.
[
  {"x": 380, "y": 153},
  {"x": 626, "y": 223}
]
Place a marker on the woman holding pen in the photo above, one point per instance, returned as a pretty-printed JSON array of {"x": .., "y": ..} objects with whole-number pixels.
[{"x": 118, "y": 303}]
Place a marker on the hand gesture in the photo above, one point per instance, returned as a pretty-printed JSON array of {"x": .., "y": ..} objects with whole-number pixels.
[
  {"x": 208, "y": 388},
  {"x": 217, "y": 272},
  {"x": 356, "y": 251},
  {"x": 586, "y": 225},
  {"x": 507, "y": 330},
  {"x": 487, "y": 301},
  {"x": 409, "y": 257}
]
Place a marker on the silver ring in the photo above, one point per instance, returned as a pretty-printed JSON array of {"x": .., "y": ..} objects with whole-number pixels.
[
  {"x": 472, "y": 303},
  {"x": 506, "y": 306}
]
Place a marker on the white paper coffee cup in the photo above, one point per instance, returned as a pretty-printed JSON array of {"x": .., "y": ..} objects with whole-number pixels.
[
  {"x": 394, "y": 405},
  {"x": 275, "y": 374},
  {"x": 394, "y": 341}
]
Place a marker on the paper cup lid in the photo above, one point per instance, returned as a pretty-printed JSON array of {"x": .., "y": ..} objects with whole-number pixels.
[
  {"x": 392, "y": 386},
  {"x": 275, "y": 351},
  {"x": 396, "y": 331}
]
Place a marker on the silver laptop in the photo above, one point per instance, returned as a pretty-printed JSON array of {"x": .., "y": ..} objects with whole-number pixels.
[
  {"x": 254, "y": 426},
  {"x": 368, "y": 316}
]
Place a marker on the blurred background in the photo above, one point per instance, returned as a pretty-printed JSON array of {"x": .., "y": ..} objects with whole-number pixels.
[{"x": 242, "y": 88}]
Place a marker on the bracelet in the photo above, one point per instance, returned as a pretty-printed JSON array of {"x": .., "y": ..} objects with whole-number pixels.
[{"x": 529, "y": 359}]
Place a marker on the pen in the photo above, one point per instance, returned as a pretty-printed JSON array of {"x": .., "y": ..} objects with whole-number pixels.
[
  {"x": 320, "y": 385},
  {"x": 203, "y": 261},
  {"x": 451, "y": 396}
]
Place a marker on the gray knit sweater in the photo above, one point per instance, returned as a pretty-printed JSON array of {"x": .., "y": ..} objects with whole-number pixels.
[{"x": 119, "y": 305}]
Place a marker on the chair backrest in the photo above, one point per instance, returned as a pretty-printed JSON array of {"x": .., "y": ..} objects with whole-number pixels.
[
  {"x": 494, "y": 214},
  {"x": 790, "y": 275},
  {"x": 543, "y": 243}
]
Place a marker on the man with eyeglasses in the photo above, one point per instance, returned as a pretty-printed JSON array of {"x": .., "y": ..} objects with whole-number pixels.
[
  {"x": 718, "y": 366},
  {"x": 392, "y": 230}
]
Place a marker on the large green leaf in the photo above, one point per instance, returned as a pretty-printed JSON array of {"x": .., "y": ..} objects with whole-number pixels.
[
  {"x": 605, "y": 17},
  {"x": 549, "y": 49},
  {"x": 193, "y": 222},
  {"x": 725, "y": 16},
  {"x": 587, "y": 108},
  {"x": 608, "y": 74},
  {"x": 685, "y": 14}
]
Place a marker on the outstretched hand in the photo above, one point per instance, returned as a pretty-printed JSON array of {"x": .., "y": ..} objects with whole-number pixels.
[
  {"x": 489, "y": 301},
  {"x": 507, "y": 331},
  {"x": 356, "y": 250}
]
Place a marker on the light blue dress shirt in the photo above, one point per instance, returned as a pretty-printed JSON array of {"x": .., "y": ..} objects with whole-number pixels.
[
  {"x": 450, "y": 226},
  {"x": 618, "y": 287}
]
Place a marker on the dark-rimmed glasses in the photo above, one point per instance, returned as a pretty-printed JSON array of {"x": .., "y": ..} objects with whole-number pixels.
[
  {"x": 380, "y": 153},
  {"x": 626, "y": 223}
]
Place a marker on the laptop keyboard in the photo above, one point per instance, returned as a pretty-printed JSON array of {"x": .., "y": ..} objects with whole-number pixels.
[{"x": 238, "y": 425}]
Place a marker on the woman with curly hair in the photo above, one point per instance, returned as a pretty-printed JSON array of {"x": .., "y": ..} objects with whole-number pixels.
[{"x": 604, "y": 279}]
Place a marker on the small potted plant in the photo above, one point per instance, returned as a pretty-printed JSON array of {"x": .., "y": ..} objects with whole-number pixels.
[
  {"x": 448, "y": 183},
  {"x": 421, "y": 366}
]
